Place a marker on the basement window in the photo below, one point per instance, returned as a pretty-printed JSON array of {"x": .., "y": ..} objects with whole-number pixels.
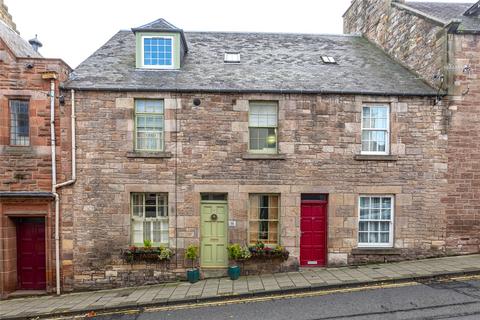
[
  {"x": 328, "y": 60},
  {"x": 231, "y": 57}
]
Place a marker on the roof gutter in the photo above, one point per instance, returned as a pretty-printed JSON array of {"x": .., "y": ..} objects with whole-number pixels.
[{"x": 275, "y": 91}]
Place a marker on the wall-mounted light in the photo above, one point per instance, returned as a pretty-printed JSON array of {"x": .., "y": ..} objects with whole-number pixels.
[
  {"x": 197, "y": 102},
  {"x": 61, "y": 99}
]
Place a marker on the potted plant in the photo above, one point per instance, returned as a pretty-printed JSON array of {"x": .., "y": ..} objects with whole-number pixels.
[
  {"x": 191, "y": 253},
  {"x": 235, "y": 254}
]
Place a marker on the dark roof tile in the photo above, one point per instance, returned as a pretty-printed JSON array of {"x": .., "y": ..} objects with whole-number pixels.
[{"x": 271, "y": 62}]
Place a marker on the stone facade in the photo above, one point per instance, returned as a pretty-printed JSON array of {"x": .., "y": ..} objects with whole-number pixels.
[
  {"x": 28, "y": 168},
  {"x": 6, "y": 17},
  {"x": 206, "y": 147},
  {"x": 424, "y": 45}
]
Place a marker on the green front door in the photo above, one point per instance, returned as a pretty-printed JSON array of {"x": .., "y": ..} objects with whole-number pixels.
[{"x": 213, "y": 245}]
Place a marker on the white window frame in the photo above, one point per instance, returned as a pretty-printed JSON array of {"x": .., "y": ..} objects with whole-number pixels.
[
  {"x": 172, "y": 66},
  {"x": 143, "y": 218},
  {"x": 391, "y": 225},
  {"x": 387, "y": 138},
  {"x": 162, "y": 140},
  {"x": 266, "y": 150}
]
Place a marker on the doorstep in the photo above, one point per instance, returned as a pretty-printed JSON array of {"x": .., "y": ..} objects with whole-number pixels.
[{"x": 26, "y": 293}]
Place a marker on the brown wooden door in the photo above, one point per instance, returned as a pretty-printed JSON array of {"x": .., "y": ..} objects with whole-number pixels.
[
  {"x": 31, "y": 264},
  {"x": 313, "y": 227}
]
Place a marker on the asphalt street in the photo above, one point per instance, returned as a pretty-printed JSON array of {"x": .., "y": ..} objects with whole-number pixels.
[{"x": 458, "y": 299}]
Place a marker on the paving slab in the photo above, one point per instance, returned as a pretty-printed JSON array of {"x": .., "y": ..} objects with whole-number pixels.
[{"x": 181, "y": 292}]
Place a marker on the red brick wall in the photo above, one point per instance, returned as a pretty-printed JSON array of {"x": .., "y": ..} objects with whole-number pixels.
[
  {"x": 463, "y": 200},
  {"x": 28, "y": 168}
]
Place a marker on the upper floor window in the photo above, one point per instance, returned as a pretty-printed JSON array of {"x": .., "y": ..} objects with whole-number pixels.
[
  {"x": 262, "y": 123},
  {"x": 149, "y": 125},
  {"x": 19, "y": 123},
  {"x": 157, "y": 52},
  {"x": 375, "y": 221},
  {"x": 149, "y": 218},
  {"x": 375, "y": 130}
]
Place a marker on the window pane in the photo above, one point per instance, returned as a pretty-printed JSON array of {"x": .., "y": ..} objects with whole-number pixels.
[
  {"x": 149, "y": 125},
  {"x": 147, "y": 230},
  {"x": 154, "y": 224},
  {"x": 375, "y": 118},
  {"x": 370, "y": 229},
  {"x": 137, "y": 230},
  {"x": 264, "y": 218},
  {"x": 19, "y": 123},
  {"x": 157, "y": 51}
]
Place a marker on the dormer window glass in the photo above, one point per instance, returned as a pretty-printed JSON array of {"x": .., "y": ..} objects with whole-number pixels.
[{"x": 157, "y": 52}]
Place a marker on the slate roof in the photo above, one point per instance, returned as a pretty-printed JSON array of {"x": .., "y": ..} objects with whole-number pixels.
[
  {"x": 270, "y": 62},
  {"x": 19, "y": 47},
  {"x": 446, "y": 12}
]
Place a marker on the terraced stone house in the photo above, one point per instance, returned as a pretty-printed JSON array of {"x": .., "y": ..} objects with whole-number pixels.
[
  {"x": 343, "y": 149},
  {"x": 323, "y": 144}
]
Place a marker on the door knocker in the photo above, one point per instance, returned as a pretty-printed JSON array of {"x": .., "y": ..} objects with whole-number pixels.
[{"x": 214, "y": 217}]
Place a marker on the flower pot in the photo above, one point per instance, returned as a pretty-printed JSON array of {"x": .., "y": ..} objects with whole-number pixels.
[
  {"x": 234, "y": 272},
  {"x": 193, "y": 275}
]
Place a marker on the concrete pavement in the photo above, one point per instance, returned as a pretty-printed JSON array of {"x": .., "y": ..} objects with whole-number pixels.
[{"x": 224, "y": 288}]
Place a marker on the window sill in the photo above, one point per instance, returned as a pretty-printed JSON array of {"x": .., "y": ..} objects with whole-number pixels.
[
  {"x": 376, "y": 251},
  {"x": 7, "y": 150},
  {"x": 145, "y": 154},
  {"x": 262, "y": 156},
  {"x": 375, "y": 157}
]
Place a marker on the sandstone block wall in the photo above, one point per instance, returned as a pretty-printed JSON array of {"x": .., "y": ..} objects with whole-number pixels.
[
  {"x": 417, "y": 43},
  {"x": 425, "y": 47},
  {"x": 318, "y": 136}
]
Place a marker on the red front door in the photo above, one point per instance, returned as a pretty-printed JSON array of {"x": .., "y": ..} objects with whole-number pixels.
[
  {"x": 31, "y": 254},
  {"x": 313, "y": 227}
]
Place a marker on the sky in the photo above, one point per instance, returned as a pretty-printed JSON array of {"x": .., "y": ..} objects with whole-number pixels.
[{"x": 73, "y": 29}]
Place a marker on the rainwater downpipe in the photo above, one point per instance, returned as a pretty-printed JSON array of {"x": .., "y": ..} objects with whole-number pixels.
[{"x": 56, "y": 186}]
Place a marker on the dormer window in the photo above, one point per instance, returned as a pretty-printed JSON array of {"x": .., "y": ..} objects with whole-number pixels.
[
  {"x": 159, "y": 45},
  {"x": 158, "y": 52}
]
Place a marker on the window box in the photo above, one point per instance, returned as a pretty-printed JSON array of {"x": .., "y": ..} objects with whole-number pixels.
[{"x": 147, "y": 254}]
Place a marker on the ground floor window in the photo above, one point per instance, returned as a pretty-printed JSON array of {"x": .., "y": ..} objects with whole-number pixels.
[
  {"x": 263, "y": 218},
  {"x": 375, "y": 221},
  {"x": 149, "y": 218}
]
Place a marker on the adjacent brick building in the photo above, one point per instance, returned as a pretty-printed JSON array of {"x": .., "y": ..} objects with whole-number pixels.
[
  {"x": 26, "y": 198},
  {"x": 441, "y": 43}
]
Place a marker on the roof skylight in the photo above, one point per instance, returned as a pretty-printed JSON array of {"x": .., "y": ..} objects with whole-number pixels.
[
  {"x": 231, "y": 57},
  {"x": 327, "y": 59}
]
